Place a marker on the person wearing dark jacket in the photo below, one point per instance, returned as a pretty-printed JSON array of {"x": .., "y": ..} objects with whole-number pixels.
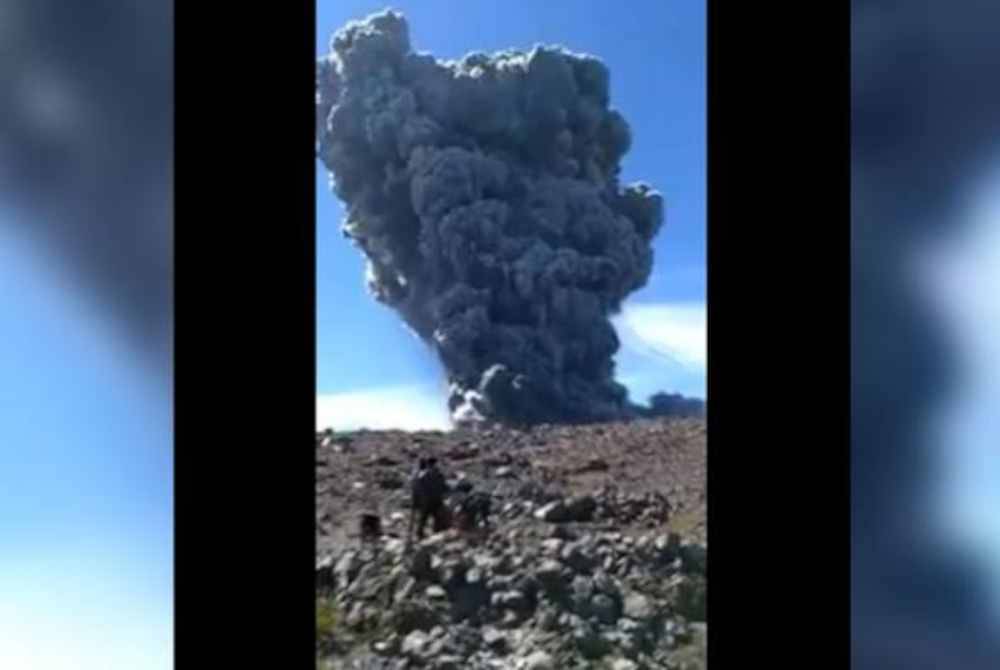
[{"x": 428, "y": 489}]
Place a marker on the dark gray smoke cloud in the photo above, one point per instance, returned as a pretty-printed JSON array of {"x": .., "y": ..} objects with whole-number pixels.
[
  {"x": 672, "y": 405},
  {"x": 485, "y": 196}
]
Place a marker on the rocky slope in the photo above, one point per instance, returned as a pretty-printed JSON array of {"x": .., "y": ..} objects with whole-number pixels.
[{"x": 596, "y": 556}]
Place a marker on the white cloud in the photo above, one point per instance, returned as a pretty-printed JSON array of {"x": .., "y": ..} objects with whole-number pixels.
[
  {"x": 675, "y": 330},
  {"x": 663, "y": 348},
  {"x": 405, "y": 407}
]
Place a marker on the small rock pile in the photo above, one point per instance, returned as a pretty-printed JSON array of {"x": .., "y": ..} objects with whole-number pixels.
[{"x": 568, "y": 597}]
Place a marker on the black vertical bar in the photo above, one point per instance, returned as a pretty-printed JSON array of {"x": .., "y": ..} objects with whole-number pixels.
[
  {"x": 778, "y": 313},
  {"x": 245, "y": 335}
]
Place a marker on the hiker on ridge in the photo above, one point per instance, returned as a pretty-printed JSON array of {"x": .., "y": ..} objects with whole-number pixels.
[{"x": 428, "y": 489}]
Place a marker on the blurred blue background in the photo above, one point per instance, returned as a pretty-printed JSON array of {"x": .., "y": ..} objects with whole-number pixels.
[
  {"x": 86, "y": 440},
  {"x": 925, "y": 228}
]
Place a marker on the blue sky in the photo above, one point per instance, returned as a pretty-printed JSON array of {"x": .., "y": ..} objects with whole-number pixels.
[
  {"x": 656, "y": 53},
  {"x": 86, "y": 493}
]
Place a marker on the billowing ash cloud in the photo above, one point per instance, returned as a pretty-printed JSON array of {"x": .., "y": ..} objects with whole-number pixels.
[{"x": 485, "y": 196}]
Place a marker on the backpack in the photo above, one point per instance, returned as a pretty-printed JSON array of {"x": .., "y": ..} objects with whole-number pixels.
[{"x": 474, "y": 507}]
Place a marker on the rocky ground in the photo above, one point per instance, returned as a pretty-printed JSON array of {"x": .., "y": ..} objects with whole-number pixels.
[{"x": 596, "y": 556}]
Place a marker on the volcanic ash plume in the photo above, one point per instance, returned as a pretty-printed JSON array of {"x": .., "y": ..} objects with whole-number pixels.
[{"x": 484, "y": 194}]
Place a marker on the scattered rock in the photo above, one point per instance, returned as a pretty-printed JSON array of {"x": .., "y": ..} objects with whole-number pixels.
[
  {"x": 593, "y": 465},
  {"x": 391, "y": 482},
  {"x": 589, "y": 586},
  {"x": 580, "y": 509},
  {"x": 554, "y": 512},
  {"x": 347, "y": 567},
  {"x": 387, "y": 647},
  {"x": 511, "y": 600},
  {"x": 603, "y": 583},
  {"x": 582, "y": 591},
  {"x": 563, "y": 533},
  {"x": 548, "y": 617},
  {"x": 590, "y": 643},
  {"x": 604, "y": 608},
  {"x": 552, "y": 546},
  {"x": 407, "y": 617},
  {"x": 415, "y": 644},
  {"x": 382, "y": 461},
  {"x": 639, "y": 607},
  {"x": 435, "y": 592},
  {"x": 577, "y": 557},
  {"x": 550, "y": 575},
  {"x": 495, "y": 641},
  {"x": 447, "y": 662},
  {"x": 539, "y": 660}
]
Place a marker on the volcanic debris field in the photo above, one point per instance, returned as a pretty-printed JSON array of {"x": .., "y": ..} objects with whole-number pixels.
[{"x": 596, "y": 555}]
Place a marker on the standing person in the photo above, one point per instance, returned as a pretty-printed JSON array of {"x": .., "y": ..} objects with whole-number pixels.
[{"x": 428, "y": 491}]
